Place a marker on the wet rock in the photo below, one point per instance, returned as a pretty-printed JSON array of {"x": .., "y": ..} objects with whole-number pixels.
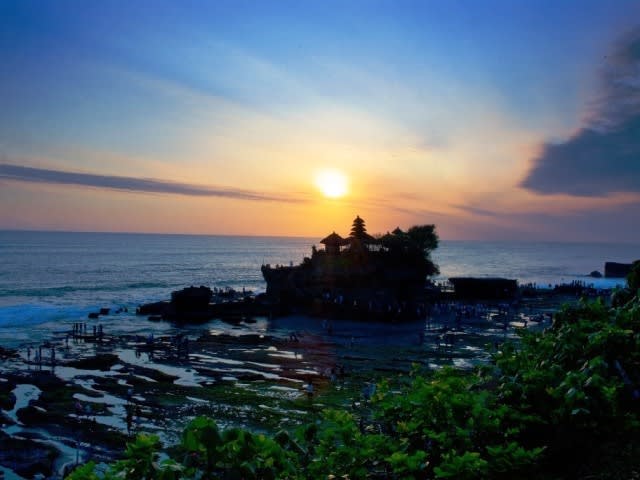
[
  {"x": 617, "y": 270},
  {"x": 7, "y": 400},
  {"x": 101, "y": 362},
  {"x": 7, "y": 353},
  {"x": 155, "y": 308},
  {"x": 32, "y": 416},
  {"x": 26, "y": 457},
  {"x": 192, "y": 299},
  {"x": 94, "y": 315},
  {"x": 5, "y": 421},
  {"x": 478, "y": 287},
  {"x": 595, "y": 274}
]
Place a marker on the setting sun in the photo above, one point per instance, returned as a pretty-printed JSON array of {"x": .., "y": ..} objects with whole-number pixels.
[{"x": 332, "y": 183}]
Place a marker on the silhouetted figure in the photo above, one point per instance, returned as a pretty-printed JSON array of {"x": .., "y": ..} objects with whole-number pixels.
[
  {"x": 129, "y": 418},
  {"x": 309, "y": 390}
]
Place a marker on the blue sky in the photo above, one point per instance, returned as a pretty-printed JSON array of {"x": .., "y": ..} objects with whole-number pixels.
[{"x": 471, "y": 115}]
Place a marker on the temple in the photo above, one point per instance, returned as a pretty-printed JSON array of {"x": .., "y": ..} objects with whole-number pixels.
[{"x": 381, "y": 277}]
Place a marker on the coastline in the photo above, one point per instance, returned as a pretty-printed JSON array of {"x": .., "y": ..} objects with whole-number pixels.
[{"x": 242, "y": 374}]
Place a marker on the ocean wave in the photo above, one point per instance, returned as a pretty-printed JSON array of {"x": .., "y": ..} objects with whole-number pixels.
[
  {"x": 58, "y": 291},
  {"x": 29, "y": 314}
]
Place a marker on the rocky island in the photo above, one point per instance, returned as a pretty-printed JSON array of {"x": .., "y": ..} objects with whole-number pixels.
[
  {"x": 360, "y": 276},
  {"x": 383, "y": 278}
]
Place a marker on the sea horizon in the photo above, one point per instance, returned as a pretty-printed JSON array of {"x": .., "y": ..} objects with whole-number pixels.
[
  {"x": 320, "y": 236},
  {"x": 49, "y": 277}
]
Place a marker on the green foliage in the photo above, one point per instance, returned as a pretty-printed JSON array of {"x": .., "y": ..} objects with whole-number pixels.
[
  {"x": 209, "y": 452},
  {"x": 575, "y": 379},
  {"x": 341, "y": 448},
  {"x": 467, "y": 466},
  {"x": 414, "y": 246},
  {"x": 562, "y": 401},
  {"x": 424, "y": 236},
  {"x": 445, "y": 414},
  {"x": 633, "y": 279},
  {"x": 84, "y": 472}
]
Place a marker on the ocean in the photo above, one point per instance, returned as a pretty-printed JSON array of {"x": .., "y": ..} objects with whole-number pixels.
[{"x": 49, "y": 280}]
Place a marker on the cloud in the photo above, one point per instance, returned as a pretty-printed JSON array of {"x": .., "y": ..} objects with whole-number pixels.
[
  {"x": 130, "y": 184},
  {"x": 475, "y": 211},
  {"x": 603, "y": 156}
]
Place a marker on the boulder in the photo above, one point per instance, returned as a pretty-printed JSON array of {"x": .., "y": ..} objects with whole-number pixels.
[
  {"x": 595, "y": 274},
  {"x": 191, "y": 299}
]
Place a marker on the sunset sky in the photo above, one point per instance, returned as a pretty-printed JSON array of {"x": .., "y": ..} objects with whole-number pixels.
[{"x": 510, "y": 120}]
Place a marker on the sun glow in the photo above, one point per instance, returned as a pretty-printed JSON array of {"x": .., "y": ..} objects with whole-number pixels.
[{"x": 331, "y": 183}]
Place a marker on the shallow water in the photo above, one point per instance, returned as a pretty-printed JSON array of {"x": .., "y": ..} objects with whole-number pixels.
[{"x": 24, "y": 393}]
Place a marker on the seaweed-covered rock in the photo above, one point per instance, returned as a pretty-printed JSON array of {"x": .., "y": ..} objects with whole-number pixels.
[
  {"x": 102, "y": 362},
  {"x": 6, "y": 353},
  {"x": 26, "y": 457},
  {"x": 7, "y": 400}
]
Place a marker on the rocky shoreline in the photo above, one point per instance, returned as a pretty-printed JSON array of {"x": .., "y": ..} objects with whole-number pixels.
[{"x": 94, "y": 392}]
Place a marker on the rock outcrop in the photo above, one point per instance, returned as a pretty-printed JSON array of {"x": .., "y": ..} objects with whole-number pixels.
[{"x": 617, "y": 270}]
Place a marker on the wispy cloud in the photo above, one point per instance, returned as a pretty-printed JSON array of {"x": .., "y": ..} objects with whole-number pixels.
[
  {"x": 603, "y": 156},
  {"x": 475, "y": 211},
  {"x": 131, "y": 184}
]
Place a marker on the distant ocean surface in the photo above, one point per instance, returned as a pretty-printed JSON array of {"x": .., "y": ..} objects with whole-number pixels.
[{"x": 57, "y": 278}]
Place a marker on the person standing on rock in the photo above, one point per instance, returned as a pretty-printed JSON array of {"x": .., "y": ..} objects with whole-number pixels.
[{"x": 309, "y": 390}]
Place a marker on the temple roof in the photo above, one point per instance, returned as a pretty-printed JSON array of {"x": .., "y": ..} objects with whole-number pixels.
[
  {"x": 334, "y": 239},
  {"x": 364, "y": 238}
]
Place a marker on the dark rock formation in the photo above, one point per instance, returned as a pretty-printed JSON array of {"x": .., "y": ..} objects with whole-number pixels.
[
  {"x": 26, "y": 457},
  {"x": 192, "y": 305},
  {"x": 155, "y": 308},
  {"x": 191, "y": 299},
  {"x": 485, "y": 288},
  {"x": 6, "y": 353},
  {"x": 101, "y": 362},
  {"x": 359, "y": 276},
  {"x": 355, "y": 277},
  {"x": 595, "y": 274},
  {"x": 617, "y": 270}
]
